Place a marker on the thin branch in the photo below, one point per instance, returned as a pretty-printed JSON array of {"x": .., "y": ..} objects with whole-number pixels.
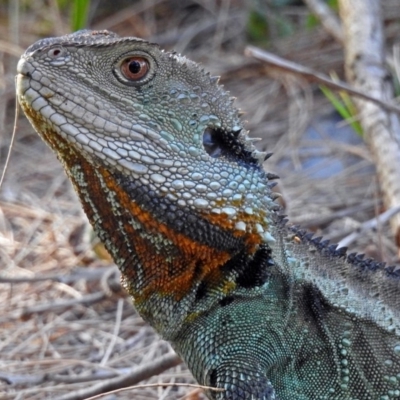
[
  {"x": 38, "y": 379},
  {"x": 334, "y": 216},
  {"x": 117, "y": 326},
  {"x": 369, "y": 225},
  {"x": 26, "y": 312},
  {"x": 137, "y": 375},
  {"x": 149, "y": 385},
  {"x": 313, "y": 76},
  {"x": 3, "y": 174},
  {"x": 88, "y": 274}
]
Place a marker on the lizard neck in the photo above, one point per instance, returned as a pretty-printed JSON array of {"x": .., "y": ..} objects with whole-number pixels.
[{"x": 174, "y": 263}]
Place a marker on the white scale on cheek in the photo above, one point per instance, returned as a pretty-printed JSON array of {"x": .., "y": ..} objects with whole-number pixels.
[
  {"x": 111, "y": 127},
  {"x": 39, "y": 103},
  {"x": 157, "y": 178},
  {"x": 30, "y": 95},
  {"x": 200, "y": 203},
  {"x": 164, "y": 162},
  {"x": 68, "y": 129},
  {"x": 111, "y": 153},
  {"x": 177, "y": 184},
  {"x": 95, "y": 146},
  {"x": 134, "y": 167},
  {"x": 82, "y": 138},
  {"x": 121, "y": 151},
  {"x": 47, "y": 112},
  {"x": 59, "y": 120}
]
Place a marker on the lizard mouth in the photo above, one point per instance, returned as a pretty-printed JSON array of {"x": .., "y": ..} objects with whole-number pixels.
[
  {"x": 25, "y": 69},
  {"x": 24, "y": 73}
]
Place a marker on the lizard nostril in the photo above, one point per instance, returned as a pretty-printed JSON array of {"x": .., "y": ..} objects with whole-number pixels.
[{"x": 55, "y": 52}]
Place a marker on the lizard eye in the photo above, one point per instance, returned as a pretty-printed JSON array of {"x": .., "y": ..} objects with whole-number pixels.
[{"x": 135, "y": 68}]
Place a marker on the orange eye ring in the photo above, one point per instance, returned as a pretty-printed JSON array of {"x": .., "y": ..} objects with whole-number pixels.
[{"x": 135, "y": 68}]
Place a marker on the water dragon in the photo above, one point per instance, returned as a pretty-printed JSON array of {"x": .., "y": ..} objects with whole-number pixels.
[{"x": 176, "y": 191}]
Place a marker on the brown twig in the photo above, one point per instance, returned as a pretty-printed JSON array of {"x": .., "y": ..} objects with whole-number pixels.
[
  {"x": 26, "y": 312},
  {"x": 369, "y": 225},
  {"x": 137, "y": 375},
  {"x": 88, "y": 274},
  {"x": 313, "y": 76},
  {"x": 335, "y": 215},
  {"x": 149, "y": 385},
  {"x": 38, "y": 379}
]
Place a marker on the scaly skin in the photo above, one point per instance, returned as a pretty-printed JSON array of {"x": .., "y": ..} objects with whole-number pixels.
[{"x": 176, "y": 192}]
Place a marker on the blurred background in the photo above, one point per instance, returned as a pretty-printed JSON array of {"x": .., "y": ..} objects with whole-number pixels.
[{"x": 65, "y": 324}]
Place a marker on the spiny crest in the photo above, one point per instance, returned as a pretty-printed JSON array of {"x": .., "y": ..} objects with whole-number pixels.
[
  {"x": 91, "y": 38},
  {"x": 323, "y": 246},
  {"x": 355, "y": 259},
  {"x": 214, "y": 79},
  {"x": 85, "y": 38}
]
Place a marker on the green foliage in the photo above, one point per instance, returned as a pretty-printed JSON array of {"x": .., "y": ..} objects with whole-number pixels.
[
  {"x": 79, "y": 13},
  {"x": 285, "y": 27},
  {"x": 344, "y": 106},
  {"x": 258, "y": 26},
  {"x": 313, "y": 21}
]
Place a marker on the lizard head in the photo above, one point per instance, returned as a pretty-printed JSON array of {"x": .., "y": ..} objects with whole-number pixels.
[
  {"x": 157, "y": 131},
  {"x": 151, "y": 115}
]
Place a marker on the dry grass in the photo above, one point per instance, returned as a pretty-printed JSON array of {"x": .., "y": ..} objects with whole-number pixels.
[{"x": 65, "y": 323}]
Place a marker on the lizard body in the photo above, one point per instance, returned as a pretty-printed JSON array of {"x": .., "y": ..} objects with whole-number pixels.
[{"x": 177, "y": 193}]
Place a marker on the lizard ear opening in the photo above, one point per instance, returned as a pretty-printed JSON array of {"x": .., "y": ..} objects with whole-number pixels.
[
  {"x": 213, "y": 143},
  {"x": 218, "y": 143}
]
